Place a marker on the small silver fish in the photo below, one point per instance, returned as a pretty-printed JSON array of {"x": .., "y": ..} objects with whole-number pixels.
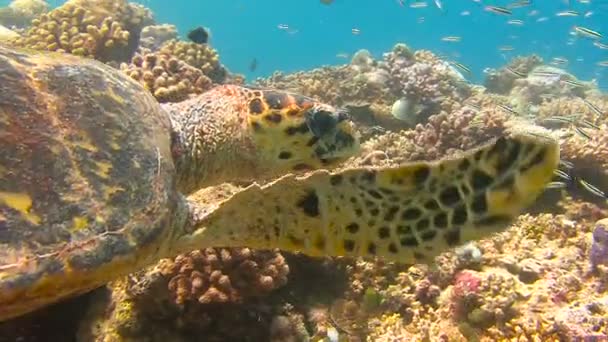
[
  {"x": 582, "y": 133},
  {"x": 591, "y": 188},
  {"x": 556, "y": 185},
  {"x": 563, "y": 175}
]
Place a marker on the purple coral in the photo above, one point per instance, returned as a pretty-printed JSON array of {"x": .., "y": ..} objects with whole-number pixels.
[{"x": 599, "y": 248}]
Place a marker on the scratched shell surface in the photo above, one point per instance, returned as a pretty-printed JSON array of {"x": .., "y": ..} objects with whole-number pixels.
[{"x": 85, "y": 167}]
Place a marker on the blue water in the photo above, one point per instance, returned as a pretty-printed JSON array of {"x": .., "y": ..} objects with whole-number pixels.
[{"x": 243, "y": 30}]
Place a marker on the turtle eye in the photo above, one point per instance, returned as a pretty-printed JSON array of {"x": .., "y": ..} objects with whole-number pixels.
[{"x": 321, "y": 122}]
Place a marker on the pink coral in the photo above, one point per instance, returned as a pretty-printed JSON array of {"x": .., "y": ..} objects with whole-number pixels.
[{"x": 464, "y": 293}]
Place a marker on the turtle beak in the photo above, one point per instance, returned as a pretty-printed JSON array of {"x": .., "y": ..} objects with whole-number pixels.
[{"x": 335, "y": 136}]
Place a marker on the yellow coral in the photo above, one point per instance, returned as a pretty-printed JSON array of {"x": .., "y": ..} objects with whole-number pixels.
[
  {"x": 200, "y": 56},
  {"x": 167, "y": 78},
  {"x": 99, "y": 29}
]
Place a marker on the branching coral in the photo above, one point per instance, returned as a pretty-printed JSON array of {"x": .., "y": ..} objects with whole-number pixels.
[
  {"x": 200, "y": 56},
  {"x": 167, "y": 78},
  {"x": 102, "y": 29}
]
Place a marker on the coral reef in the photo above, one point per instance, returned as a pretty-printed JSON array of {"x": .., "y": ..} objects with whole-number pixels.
[
  {"x": 372, "y": 89},
  {"x": 425, "y": 79},
  {"x": 200, "y": 56},
  {"x": 19, "y": 13},
  {"x": 154, "y": 36},
  {"x": 501, "y": 81},
  {"x": 101, "y": 29},
  {"x": 167, "y": 78}
]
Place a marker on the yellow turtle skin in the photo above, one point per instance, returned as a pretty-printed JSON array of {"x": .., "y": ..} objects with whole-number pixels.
[{"x": 94, "y": 173}]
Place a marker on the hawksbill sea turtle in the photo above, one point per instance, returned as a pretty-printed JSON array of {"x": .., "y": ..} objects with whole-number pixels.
[{"x": 94, "y": 175}]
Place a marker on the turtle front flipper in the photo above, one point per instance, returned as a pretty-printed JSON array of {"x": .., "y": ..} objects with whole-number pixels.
[{"x": 408, "y": 213}]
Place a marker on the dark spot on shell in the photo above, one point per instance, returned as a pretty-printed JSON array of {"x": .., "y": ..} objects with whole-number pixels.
[
  {"x": 480, "y": 180},
  {"x": 386, "y": 191},
  {"x": 428, "y": 235},
  {"x": 374, "y": 212},
  {"x": 411, "y": 214},
  {"x": 460, "y": 215},
  {"x": 274, "y": 118},
  {"x": 349, "y": 245},
  {"x": 256, "y": 107},
  {"x": 285, "y": 155},
  {"x": 375, "y": 194},
  {"x": 431, "y": 205},
  {"x": 409, "y": 241},
  {"x": 402, "y": 230},
  {"x": 384, "y": 232},
  {"x": 421, "y": 175},
  {"x": 479, "y": 204},
  {"x": 452, "y": 237},
  {"x": 368, "y": 176},
  {"x": 336, "y": 179},
  {"x": 423, "y": 224},
  {"x": 352, "y": 228},
  {"x": 477, "y": 156},
  {"x": 275, "y": 99},
  {"x": 393, "y": 248},
  {"x": 371, "y": 248},
  {"x": 505, "y": 162},
  {"x": 310, "y": 204},
  {"x": 464, "y": 165},
  {"x": 449, "y": 196},
  {"x": 390, "y": 214},
  {"x": 441, "y": 220}
]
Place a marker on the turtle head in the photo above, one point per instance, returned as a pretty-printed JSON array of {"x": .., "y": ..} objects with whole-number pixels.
[{"x": 294, "y": 132}]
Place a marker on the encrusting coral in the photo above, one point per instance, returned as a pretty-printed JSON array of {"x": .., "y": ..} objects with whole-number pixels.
[
  {"x": 166, "y": 77},
  {"x": 101, "y": 29}
]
